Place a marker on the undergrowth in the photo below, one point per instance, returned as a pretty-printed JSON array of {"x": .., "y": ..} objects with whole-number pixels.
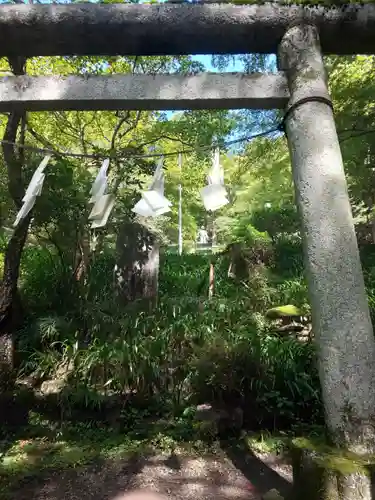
[{"x": 186, "y": 351}]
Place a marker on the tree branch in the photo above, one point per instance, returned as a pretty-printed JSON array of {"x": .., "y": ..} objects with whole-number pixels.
[
  {"x": 118, "y": 127},
  {"x": 45, "y": 142}
]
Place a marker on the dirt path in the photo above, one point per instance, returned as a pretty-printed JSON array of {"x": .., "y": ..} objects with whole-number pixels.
[{"x": 214, "y": 477}]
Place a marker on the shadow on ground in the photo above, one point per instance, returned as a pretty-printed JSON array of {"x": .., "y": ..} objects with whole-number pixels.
[
  {"x": 263, "y": 471},
  {"x": 224, "y": 476}
]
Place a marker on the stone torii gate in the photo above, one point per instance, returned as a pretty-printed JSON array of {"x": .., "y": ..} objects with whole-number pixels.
[{"x": 341, "y": 319}]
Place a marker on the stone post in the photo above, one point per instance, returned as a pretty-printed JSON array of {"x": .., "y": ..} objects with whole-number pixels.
[{"x": 340, "y": 313}]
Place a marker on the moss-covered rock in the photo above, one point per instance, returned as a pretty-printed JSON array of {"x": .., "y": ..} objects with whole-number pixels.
[
  {"x": 337, "y": 460},
  {"x": 320, "y": 470},
  {"x": 288, "y": 311}
]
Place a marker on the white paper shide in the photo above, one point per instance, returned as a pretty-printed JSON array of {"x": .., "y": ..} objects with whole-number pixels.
[
  {"x": 33, "y": 190},
  {"x": 153, "y": 202},
  {"x": 103, "y": 203},
  {"x": 214, "y": 195}
]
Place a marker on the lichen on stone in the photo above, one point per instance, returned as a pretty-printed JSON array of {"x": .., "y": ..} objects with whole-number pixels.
[{"x": 333, "y": 459}]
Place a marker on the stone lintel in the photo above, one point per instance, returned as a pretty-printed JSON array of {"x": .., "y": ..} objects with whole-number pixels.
[{"x": 144, "y": 92}]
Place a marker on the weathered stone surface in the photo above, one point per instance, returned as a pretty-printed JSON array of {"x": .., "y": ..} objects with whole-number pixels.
[
  {"x": 92, "y": 29},
  {"x": 340, "y": 313},
  {"x": 58, "y": 382},
  {"x": 144, "y": 92},
  {"x": 136, "y": 272}
]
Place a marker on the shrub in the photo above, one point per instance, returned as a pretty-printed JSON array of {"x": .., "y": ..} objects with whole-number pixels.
[
  {"x": 288, "y": 256},
  {"x": 274, "y": 380},
  {"x": 186, "y": 351}
]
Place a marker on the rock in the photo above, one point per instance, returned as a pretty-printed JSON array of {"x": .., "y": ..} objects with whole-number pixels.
[
  {"x": 56, "y": 385},
  {"x": 140, "y": 495},
  {"x": 52, "y": 386},
  {"x": 301, "y": 332},
  {"x": 30, "y": 382},
  {"x": 272, "y": 495},
  {"x": 221, "y": 420},
  {"x": 306, "y": 335},
  {"x": 290, "y": 328}
]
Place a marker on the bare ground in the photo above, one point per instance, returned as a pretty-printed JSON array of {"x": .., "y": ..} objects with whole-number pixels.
[{"x": 221, "y": 477}]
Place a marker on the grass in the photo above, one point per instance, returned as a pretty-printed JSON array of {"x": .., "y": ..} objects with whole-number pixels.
[
  {"x": 40, "y": 457},
  {"x": 265, "y": 442},
  {"x": 38, "y": 454},
  {"x": 42, "y": 448},
  {"x": 45, "y": 448},
  {"x": 33, "y": 457}
]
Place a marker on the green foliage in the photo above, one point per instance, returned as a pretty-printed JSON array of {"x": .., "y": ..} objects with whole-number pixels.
[
  {"x": 262, "y": 372},
  {"x": 288, "y": 256},
  {"x": 367, "y": 255},
  {"x": 47, "y": 282},
  {"x": 188, "y": 350},
  {"x": 187, "y": 277},
  {"x": 247, "y": 234},
  {"x": 293, "y": 291},
  {"x": 276, "y": 220}
]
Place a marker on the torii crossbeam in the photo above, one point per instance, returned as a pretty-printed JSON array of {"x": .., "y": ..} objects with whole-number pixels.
[
  {"x": 123, "y": 29},
  {"x": 144, "y": 92}
]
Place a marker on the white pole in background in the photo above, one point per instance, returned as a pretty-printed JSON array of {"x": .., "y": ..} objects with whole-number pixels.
[{"x": 180, "y": 208}]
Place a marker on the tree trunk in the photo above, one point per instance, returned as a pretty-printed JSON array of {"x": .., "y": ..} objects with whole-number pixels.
[
  {"x": 82, "y": 257},
  {"x": 10, "y": 307},
  {"x": 137, "y": 267}
]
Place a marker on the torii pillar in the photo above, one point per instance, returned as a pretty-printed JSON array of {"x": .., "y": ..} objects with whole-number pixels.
[{"x": 340, "y": 312}]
